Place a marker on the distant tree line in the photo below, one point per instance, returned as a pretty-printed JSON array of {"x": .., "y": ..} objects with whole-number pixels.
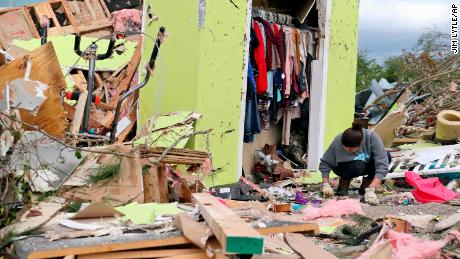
[{"x": 432, "y": 48}]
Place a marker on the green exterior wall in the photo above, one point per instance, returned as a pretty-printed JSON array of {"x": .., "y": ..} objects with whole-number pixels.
[
  {"x": 341, "y": 79},
  {"x": 201, "y": 70}
]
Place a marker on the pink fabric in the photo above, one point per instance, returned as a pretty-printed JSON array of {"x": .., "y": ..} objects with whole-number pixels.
[
  {"x": 334, "y": 208},
  {"x": 126, "y": 17},
  {"x": 406, "y": 246},
  {"x": 429, "y": 190}
]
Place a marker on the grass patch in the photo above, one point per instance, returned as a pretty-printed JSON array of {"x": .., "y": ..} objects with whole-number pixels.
[
  {"x": 105, "y": 172},
  {"x": 73, "y": 207}
]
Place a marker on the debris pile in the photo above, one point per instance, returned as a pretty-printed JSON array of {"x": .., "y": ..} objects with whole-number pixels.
[{"x": 79, "y": 177}]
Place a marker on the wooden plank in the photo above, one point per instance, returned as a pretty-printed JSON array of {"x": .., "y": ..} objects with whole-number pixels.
[
  {"x": 176, "y": 151},
  {"x": 402, "y": 141},
  {"x": 130, "y": 71},
  {"x": 78, "y": 116},
  {"x": 133, "y": 118},
  {"x": 306, "y": 248},
  {"x": 160, "y": 184},
  {"x": 311, "y": 228},
  {"x": 142, "y": 254},
  {"x": 108, "y": 247},
  {"x": 93, "y": 124},
  {"x": 199, "y": 255},
  {"x": 253, "y": 185},
  {"x": 105, "y": 106},
  {"x": 30, "y": 21},
  {"x": 91, "y": 10},
  {"x": 169, "y": 159},
  {"x": 69, "y": 14},
  {"x": 149, "y": 189},
  {"x": 235, "y": 235},
  {"x": 45, "y": 68},
  {"x": 98, "y": 83},
  {"x": 104, "y": 7}
]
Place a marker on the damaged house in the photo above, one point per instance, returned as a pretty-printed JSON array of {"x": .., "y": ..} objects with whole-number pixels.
[{"x": 194, "y": 129}]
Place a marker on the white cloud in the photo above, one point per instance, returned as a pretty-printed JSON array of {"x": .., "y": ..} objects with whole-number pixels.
[
  {"x": 387, "y": 26},
  {"x": 397, "y": 15}
]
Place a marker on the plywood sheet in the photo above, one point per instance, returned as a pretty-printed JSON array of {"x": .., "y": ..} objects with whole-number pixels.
[
  {"x": 14, "y": 25},
  {"x": 45, "y": 68}
]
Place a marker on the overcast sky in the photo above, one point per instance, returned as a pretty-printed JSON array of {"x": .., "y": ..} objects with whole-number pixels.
[{"x": 387, "y": 26}]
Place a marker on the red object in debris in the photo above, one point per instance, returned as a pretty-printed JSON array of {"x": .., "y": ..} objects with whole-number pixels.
[
  {"x": 429, "y": 190},
  {"x": 75, "y": 95}
]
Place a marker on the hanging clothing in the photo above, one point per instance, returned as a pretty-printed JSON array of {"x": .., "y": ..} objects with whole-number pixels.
[
  {"x": 277, "y": 85},
  {"x": 288, "y": 115},
  {"x": 278, "y": 40},
  {"x": 251, "y": 118},
  {"x": 259, "y": 57},
  {"x": 263, "y": 106}
]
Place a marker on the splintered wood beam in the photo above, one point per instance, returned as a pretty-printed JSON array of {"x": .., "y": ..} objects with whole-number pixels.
[
  {"x": 78, "y": 116},
  {"x": 235, "y": 235},
  {"x": 160, "y": 181},
  {"x": 130, "y": 71}
]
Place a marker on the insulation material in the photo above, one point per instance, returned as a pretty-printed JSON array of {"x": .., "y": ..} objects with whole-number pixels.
[
  {"x": 406, "y": 246},
  {"x": 334, "y": 208},
  {"x": 448, "y": 125},
  {"x": 127, "y": 20}
]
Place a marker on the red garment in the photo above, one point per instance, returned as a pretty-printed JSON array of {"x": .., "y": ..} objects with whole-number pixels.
[
  {"x": 429, "y": 189},
  {"x": 259, "y": 57},
  {"x": 277, "y": 40}
]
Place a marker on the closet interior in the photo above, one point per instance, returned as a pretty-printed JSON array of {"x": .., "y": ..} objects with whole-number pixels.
[{"x": 284, "y": 37}]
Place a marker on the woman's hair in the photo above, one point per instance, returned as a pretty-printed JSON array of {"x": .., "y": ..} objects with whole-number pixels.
[{"x": 353, "y": 136}]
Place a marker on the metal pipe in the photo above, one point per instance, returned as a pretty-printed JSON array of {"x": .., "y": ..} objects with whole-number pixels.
[
  {"x": 76, "y": 45},
  {"x": 153, "y": 57},
  {"x": 113, "y": 131},
  {"x": 92, "y": 67},
  {"x": 109, "y": 51},
  {"x": 151, "y": 64}
]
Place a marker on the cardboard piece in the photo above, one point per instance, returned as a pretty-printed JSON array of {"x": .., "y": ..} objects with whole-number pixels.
[
  {"x": 305, "y": 247},
  {"x": 97, "y": 210},
  {"x": 197, "y": 232},
  {"x": 34, "y": 217},
  {"x": 147, "y": 213},
  {"x": 385, "y": 129},
  {"x": 125, "y": 187}
]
